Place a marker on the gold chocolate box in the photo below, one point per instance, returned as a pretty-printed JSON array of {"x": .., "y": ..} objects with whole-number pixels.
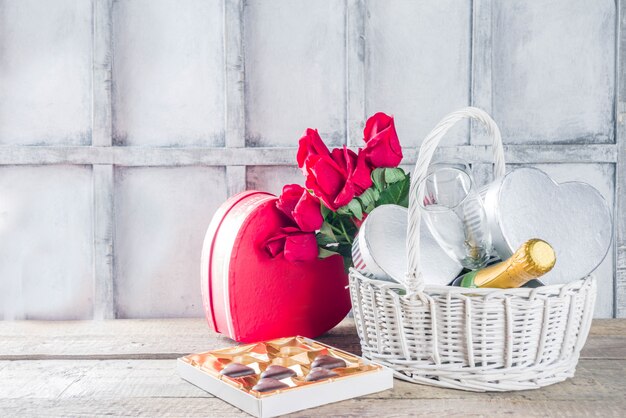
[{"x": 284, "y": 375}]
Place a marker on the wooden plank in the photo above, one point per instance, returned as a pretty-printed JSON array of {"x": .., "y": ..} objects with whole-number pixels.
[
  {"x": 234, "y": 96},
  {"x": 620, "y": 170},
  {"x": 234, "y": 74},
  {"x": 485, "y": 406},
  {"x": 102, "y": 135},
  {"x": 152, "y": 388},
  {"x": 103, "y": 226},
  {"x": 128, "y": 379},
  {"x": 161, "y": 156},
  {"x": 481, "y": 83},
  {"x": 203, "y": 407},
  {"x": 147, "y": 338},
  {"x": 608, "y": 327},
  {"x": 171, "y": 338},
  {"x": 101, "y": 84},
  {"x": 135, "y": 407},
  {"x": 235, "y": 179},
  {"x": 51, "y": 379},
  {"x": 355, "y": 73}
]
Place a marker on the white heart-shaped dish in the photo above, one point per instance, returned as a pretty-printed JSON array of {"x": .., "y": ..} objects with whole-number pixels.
[
  {"x": 573, "y": 217},
  {"x": 379, "y": 250}
]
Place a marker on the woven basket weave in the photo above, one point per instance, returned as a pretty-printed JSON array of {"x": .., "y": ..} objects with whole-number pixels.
[{"x": 478, "y": 340}]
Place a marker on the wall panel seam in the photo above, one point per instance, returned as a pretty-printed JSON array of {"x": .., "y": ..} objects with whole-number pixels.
[
  {"x": 620, "y": 169},
  {"x": 102, "y": 173},
  {"x": 234, "y": 90},
  {"x": 355, "y": 70},
  {"x": 209, "y": 156},
  {"x": 481, "y": 62}
]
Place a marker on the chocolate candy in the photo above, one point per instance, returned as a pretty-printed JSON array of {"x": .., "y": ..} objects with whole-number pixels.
[
  {"x": 267, "y": 384},
  {"x": 319, "y": 373},
  {"x": 277, "y": 372},
  {"x": 328, "y": 362},
  {"x": 237, "y": 370}
]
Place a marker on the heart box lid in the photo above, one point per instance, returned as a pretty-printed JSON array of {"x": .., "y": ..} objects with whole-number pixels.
[
  {"x": 573, "y": 217},
  {"x": 250, "y": 295}
]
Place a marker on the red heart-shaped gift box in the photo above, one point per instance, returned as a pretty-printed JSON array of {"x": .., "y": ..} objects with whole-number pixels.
[{"x": 250, "y": 296}]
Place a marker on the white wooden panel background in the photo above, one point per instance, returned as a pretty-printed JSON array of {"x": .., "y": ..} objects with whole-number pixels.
[{"x": 125, "y": 124}]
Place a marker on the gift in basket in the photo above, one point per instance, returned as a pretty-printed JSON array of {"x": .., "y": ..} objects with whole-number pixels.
[{"x": 482, "y": 339}]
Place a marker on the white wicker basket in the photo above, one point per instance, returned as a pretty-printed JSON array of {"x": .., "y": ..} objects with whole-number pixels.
[{"x": 478, "y": 340}]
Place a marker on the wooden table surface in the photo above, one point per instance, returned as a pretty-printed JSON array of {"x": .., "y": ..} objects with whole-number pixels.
[{"x": 127, "y": 368}]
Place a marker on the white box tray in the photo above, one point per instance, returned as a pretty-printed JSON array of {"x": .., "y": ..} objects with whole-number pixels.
[{"x": 292, "y": 400}]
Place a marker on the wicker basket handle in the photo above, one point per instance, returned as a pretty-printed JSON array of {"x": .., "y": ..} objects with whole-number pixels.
[{"x": 414, "y": 279}]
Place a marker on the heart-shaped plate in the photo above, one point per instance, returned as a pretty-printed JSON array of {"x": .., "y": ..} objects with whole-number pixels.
[
  {"x": 379, "y": 251},
  {"x": 573, "y": 217}
]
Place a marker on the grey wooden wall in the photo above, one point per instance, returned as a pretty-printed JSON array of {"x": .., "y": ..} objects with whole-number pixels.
[{"x": 124, "y": 124}]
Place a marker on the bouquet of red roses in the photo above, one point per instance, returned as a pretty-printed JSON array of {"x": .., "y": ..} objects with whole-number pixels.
[{"x": 342, "y": 188}]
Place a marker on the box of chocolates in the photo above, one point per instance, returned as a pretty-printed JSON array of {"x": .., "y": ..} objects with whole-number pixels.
[{"x": 284, "y": 375}]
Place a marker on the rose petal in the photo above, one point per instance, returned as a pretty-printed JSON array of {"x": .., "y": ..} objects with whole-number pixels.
[
  {"x": 310, "y": 144},
  {"x": 308, "y": 213},
  {"x": 382, "y": 147},
  {"x": 328, "y": 179},
  {"x": 339, "y": 157},
  {"x": 289, "y": 230},
  {"x": 375, "y": 124},
  {"x": 289, "y": 198},
  {"x": 345, "y": 196},
  {"x": 275, "y": 245},
  {"x": 362, "y": 175},
  {"x": 301, "y": 247},
  {"x": 381, "y": 151}
]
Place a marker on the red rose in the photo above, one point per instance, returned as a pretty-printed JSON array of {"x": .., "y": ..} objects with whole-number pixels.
[
  {"x": 294, "y": 244},
  {"x": 301, "y": 207},
  {"x": 382, "y": 147},
  {"x": 297, "y": 242},
  {"x": 338, "y": 177},
  {"x": 310, "y": 144},
  {"x": 300, "y": 246}
]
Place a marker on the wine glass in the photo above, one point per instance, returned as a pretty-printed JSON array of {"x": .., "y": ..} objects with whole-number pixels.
[{"x": 454, "y": 213}]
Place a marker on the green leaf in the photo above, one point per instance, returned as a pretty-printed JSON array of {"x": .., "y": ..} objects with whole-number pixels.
[
  {"x": 369, "y": 197},
  {"x": 325, "y": 253},
  {"x": 325, "y": 210},
  {"x": 378, "y": 178},
  {"x": 355, "y": 208},
  {"x": 344, "y": 210},
  {"x": 324, "y": 240},
  {"x": 370, "y": 208},
  {"x": 327, "y": 230},
  {"x": 396, "y": 193},
  {"x": 394, "y": 175}
]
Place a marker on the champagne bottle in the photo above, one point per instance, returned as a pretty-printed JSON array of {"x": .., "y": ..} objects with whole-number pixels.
[{"x": 534, "y": 258}]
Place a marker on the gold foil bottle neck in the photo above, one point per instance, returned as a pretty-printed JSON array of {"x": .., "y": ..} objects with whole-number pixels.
[
  {"x": 536, "y": 256},
  {"x": 533, "y": 259}
]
